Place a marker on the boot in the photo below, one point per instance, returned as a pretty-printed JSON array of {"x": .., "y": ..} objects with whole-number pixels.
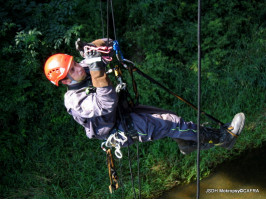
[
  {"x": 188, "y": 146},
  {"x": 210, "y": 137},
  {"x": 227, "y": 135},
  {"x": 233, "y": 130}
]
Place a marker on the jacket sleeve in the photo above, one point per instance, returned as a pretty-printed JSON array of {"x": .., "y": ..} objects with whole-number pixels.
[{"x": 97, "y": 104}]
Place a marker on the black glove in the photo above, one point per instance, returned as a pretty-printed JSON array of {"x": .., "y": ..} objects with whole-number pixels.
[{"x": 80, "y": 47}]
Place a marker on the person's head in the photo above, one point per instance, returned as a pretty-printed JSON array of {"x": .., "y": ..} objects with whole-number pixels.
[{"x": 62, "y": 67}]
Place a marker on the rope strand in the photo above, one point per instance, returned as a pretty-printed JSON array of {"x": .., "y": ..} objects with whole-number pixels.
[
  {"x": 107, "y": 26},
  {"x": 102, "y": 17},
  {"x": 199, "y": 98},
  {"x": 139, "y": 181},
  {"x": 112, "y": 10}
]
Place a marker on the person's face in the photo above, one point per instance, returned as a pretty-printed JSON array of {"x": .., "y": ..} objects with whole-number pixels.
[{"x": 77, "y": 72}]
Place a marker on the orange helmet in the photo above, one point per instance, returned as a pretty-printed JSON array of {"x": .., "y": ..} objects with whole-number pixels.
[{"x": 57, "y": 66}]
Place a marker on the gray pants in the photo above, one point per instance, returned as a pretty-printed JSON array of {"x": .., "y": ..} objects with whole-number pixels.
[{"x": 152, "y": 124}]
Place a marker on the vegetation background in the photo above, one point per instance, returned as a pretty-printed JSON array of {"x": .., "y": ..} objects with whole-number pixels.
[{"x": 45, "y": 154}]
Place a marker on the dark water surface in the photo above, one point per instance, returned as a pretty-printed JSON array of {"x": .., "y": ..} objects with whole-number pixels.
[{"x": 243, "y": 178}]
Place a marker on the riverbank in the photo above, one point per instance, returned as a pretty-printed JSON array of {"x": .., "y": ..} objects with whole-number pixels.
[{"x": 244, "y": 177}]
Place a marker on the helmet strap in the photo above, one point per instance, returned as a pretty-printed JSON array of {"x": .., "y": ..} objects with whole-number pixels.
[
  {"x": 84, "y": 83},
  {"x": 73, "y": 82}
]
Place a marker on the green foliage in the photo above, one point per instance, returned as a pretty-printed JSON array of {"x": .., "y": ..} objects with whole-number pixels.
[{"x": 45, "y": 154}]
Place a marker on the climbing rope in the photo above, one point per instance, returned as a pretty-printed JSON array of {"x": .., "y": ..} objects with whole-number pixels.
[
  {"x": 199, "y": 95},
  {"x": 102, "y": 17},
  {"x": 117, "y": 49},
  {"x": 113, "y": 141}
]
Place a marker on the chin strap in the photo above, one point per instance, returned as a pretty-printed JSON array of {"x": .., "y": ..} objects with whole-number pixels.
[
  {"x": 73, "y": 82},
  {"x": 82, "y": 84}
]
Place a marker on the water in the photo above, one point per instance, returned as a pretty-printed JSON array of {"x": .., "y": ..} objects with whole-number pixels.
[{"x": 243, "y": 178}]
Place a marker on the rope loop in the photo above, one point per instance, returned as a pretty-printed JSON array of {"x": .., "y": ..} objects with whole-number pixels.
[{"x": 115, "y": 140}]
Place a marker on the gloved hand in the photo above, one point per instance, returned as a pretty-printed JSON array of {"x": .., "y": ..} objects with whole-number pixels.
[
  {"x": 99, "y": 42},
  {"x": 92, "y": 58},
  {"x": 80, "y": 47}
]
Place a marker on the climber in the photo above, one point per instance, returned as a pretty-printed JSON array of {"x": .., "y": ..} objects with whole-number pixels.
[{"x": 92, "y": 101}]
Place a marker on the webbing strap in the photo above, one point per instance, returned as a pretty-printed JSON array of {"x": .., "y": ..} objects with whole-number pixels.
[{"x": 112, "y": 172}]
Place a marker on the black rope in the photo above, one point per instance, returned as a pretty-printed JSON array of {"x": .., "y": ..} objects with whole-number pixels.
[
  {"x": 135, "y": 69},
  {"x": 112, "y": 10},
  {"x": 123, "y": 124},
  {"x": 139, "y": 182},
  {"x": 128, "y": 150},
  {"x": 131, "y": 173},
  {"x": 102, "y": 17},
  {"x": 121, "y": 178},
  {"x": 107, "y": 21},
  {"x": 199, "y": 98}
]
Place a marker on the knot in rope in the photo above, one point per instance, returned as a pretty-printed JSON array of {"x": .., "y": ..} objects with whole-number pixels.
[{"x": 115, "y": 140}]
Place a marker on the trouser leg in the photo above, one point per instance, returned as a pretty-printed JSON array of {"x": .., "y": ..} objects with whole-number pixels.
[
  {"x": 151, "y": 127},
  {"x": 158, "y": 126},
  {"x": 209, "y": 137}
]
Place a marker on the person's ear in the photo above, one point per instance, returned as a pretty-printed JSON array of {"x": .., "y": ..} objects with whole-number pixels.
[{"x": 66, "y": 81}]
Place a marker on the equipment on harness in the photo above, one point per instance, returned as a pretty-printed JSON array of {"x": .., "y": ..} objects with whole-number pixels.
[
  {"x": 115, "y": 140},
  {"x": 125, "y": 106},
  {"x": 112, "y": 172},
  {"x": 87, "y": 50},
  {"x": 117, "y": 50},
  {"x": 57, "y": 66},
  {"x": 134, "y": 84},
  {"x": 103, "y": 50}
]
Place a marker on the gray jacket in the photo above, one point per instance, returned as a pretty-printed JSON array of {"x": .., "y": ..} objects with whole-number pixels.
[{"x": 96, "y": 112}]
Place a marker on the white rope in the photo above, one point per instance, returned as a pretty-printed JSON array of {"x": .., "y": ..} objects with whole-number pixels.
[
  {"x": 120, "y": 86},
  {"x": 115, "y": 141}
]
